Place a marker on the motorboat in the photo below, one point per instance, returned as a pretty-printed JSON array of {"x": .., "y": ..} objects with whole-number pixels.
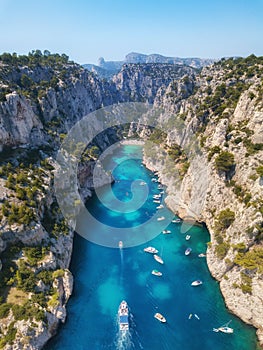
[
  {"x": 161, "y": 218},
  {"x": 201, "y": 255},
  {"x": 187, "y": 237},
  {"x": 160, "y": 206},
  {"x": 120, "y": 244},
  {"x": 156, "y": 273},
  {"x": 123, "y": 314},
  {"x": 165, "y": 232},
  {"x": 196, "y": 283},
  {"x": 176, "y": 221},
  {"x": 188, "y": 251},
  {"x": 224, "y": 329},
  {"x": 151, "y": 250},
  {"x": 158, "y": 259},
  {"x": 156, "y": 201},
  {"x": 160, "y": 317}
]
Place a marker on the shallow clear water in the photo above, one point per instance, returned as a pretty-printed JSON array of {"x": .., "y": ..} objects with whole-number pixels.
[{"x": 105, "y": 276}]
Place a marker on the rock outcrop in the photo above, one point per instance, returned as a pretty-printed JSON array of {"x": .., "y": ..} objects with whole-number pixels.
[{"x": 207, "y": 191}]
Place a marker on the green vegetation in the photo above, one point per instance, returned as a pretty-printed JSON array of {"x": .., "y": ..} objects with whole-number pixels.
[
  {"x": 214, "y": 150},
  {"x": 242, "y": 194},
  {"x": 259, "y": 170},
  {"x": 54, "y": 301},
  {"x": 34, "y": 254},
  {"x": 28, "y": 311},
  {"x": 225, "y": 161},
  {"x": 157, "y": 136},
  {"x": 9, "y": 337},
  {"x": 16, "y": 73},
  {"x": 4, "y": 310},
  {"x": 246, "y": 285},
  {"x": 251, "y": 260},
  {"x": 225, "y": 219},
  {"x": 222, "y": 249}
]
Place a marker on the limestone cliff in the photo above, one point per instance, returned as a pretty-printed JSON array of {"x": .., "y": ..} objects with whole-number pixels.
[{"x": 225, "y": 115}]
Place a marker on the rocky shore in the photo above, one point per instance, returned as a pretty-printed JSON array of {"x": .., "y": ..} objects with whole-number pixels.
[{"x": 187, "y": 205}]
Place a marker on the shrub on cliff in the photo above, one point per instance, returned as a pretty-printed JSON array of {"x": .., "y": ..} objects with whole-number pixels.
[
  {"x": 225, "y": 161},
  {"x": 259, "y": 170},
  {"x": 225, "y": 219}
]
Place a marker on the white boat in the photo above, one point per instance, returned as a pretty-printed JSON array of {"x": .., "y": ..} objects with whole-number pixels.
[
  {"x": 166, "y": 232},
  {"x": 160, "y": 317},
  {"x": 151, "y": 250},
  {"x": 158, "y": 259},
  {"x": 197, "y": 317},
  {"x": 196, "y": 283},
  {"x": 154, "y": 179},
  {"x": 176, "y": 221},
  {"x": 224, "y": 329},
  {"x": 187, "y": 237},
  {"x": 120, "y": 244},
  {"x": 156, "y": 196},
  {"x": 201, "y": 255},
  {"x": 142, "y": 183},
  {"x": 161, "y": 218},
  {"x": 156, "y": 273},
  {"x": 123, "y": 314},
  {"x": 160, "y": 206},
  {"x": 188, "y": 251},
  {"x": 156, "y": 201}
]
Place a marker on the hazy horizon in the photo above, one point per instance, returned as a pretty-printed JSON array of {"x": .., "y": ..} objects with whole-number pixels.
[{"x": 86, "y": 30}]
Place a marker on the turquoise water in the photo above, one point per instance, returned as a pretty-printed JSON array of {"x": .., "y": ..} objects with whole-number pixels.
[{"x": 105, "y": 276}]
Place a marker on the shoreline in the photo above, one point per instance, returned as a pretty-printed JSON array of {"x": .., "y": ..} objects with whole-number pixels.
[{"x": 158, "y": 171}]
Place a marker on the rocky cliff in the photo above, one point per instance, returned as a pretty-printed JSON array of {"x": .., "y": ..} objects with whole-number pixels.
[
  {"x": 41, "y": 97},
  {"x": 223, "y": 182}
]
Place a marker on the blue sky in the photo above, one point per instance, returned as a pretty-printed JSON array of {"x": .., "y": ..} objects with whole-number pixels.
[{"x": 87, "y": 30}]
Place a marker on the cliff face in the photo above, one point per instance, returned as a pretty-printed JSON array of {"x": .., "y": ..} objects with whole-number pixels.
[
  {"x": 225, "y": 115},
  {"x": 141, "y": 82}
]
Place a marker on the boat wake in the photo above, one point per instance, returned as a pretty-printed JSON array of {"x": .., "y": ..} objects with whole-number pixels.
[{"x": 124, "y": 341}]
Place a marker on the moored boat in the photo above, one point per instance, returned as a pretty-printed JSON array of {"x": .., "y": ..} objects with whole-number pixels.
[
  {"x": 160, "y": 206},
  {"x": 165, "y": 232},
  {"x": 151, "y": 250},
  {"x": 156, "y": 273},
  {"x": 224, "y": 328},
  {"x": 176, "y": 221},
  {"x": 158, "y": 259},
  {"x": 188, "y": 251},
  {"x": 160, "y": 317},
  {"x": 196, "y": 283},
  {"x": 187, "y": 237},
  {"x": 161, "y": 218},
  {"x": 123, "y": 314},
  {"x": 201, "y": 255}
]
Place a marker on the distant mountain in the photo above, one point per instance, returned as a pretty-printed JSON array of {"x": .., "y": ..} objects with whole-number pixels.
[
  {"x": 107, "y": 69},
  {"x": 194, "y": 62}
]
